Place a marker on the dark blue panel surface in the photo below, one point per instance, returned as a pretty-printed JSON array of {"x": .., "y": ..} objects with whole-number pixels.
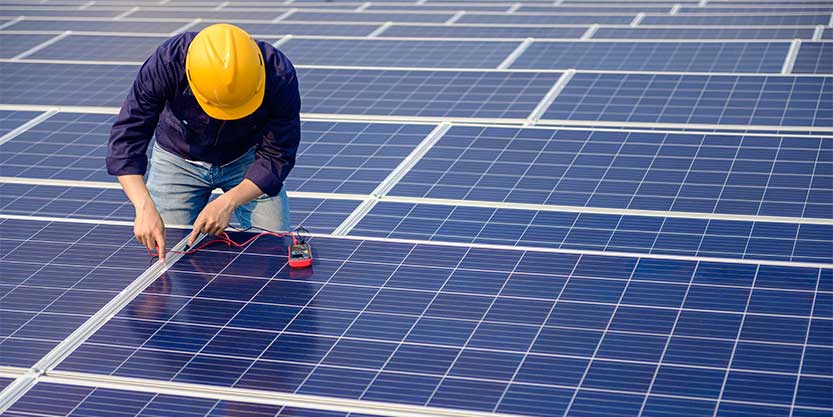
[
  {"x": 396, "y": 53},
  {"x": 324, "y": 16},
  {"x": 57, "y": 275},
  {"x": 290, "y": 28},
  {"x": 647, "y": 32},
  {"x": 714, "y": 99},
  {"x": 207, "y": 13},
  {"x": 68, "y": 12},
  {"x": 10, "y": 120},
  {"x": 739, "y": 19},
  {"x": 438, "y": 7},
  {"x": 11, "y": 45},
  {"x": 775, "y": 7},
  {"x": 98, "y": 26},
  {"x": 478, "y": 329},
  {"x": 483, "y": 32},
  {"x": 97, "y": 48},
  {"x": 65, "y": 84},
  {"x": 814, "y": 58},
  {"x": 67, "y": 400},
  {"x": 656, "y": 56},
  {"x": 780, "y": 176},
  {"x": 543, "y": 19},
  {"x": 693, "y": 237},
  {"x": 591, "y": 8},
  {"x": 423, "y": 93},
  {"x": 316, "y": 215}
]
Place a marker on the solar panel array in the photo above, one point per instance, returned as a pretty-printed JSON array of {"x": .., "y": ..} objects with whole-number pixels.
[{"x": 534, "y": 208}]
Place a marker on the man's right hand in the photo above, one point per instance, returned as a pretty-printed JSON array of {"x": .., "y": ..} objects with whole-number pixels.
[{"x": 148, "y": 227}]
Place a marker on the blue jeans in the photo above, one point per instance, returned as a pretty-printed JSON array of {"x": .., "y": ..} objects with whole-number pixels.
[{"x": 181, "y": 188}]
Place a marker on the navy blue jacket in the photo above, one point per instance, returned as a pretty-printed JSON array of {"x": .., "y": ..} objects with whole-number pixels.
[{"x": 161, "y": 101}]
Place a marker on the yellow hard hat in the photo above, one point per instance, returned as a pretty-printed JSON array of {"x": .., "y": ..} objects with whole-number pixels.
[{"x": 225, "y": 70}]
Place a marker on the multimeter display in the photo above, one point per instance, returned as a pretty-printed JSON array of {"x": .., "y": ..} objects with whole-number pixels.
[{"x": 300, "y": 255}]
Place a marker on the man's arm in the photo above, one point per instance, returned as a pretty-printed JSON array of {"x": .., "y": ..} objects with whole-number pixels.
[{"x": 148, "y": 226}]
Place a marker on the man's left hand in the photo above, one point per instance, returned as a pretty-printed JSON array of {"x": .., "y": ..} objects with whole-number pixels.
[{"x": 213, "y": 219}]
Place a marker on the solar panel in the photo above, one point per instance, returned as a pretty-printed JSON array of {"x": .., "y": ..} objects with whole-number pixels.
[
  {"x": 437, "y": 7},
  {"x": 827, "y": 34},
  {"x": 207, "y": 13},
  {"x": 483, "y": 32},
  {"x": 814, "y": 58},
  {"x": 656, "y": 56},
  {"x": 742, "y": 174},
  {"x": 97, "y": 48},
  {"x": 702, "y": 33},
  {"x": 315, "y": 214},
  {"x": 65, "y": 400},
  {"x": 590, "y": 8},
  {"x": 396, "y": 53},
  {"x": 11, "y": 45},
  {"x": 97, "y": 26},
  {"x": 333, "y": 157},
  {"x": 287, "y": 28},
  {"x": 321, "y": 16},
  {"x": 9, "y": 12},
  {"x": 10, "y": 120},
  {"x": 423, "y": 93},
  {"x": 541, "y": 19},
  {"x": 57, "y": 275},
  {"x": 600, "y": 232},
  {"x": 65, "y": 84},
  {"x": 412, "y": 328},
  {"x": 759, "y": 8},
  {"x": 739, "y": 19},
  {"x": 710, "y": 99}
]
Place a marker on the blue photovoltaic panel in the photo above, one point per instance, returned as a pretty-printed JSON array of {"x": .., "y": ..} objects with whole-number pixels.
[
  {"x": 322, "y": 16},
  {"x": 590, "y": 8},
  {"x": 10, "y": 120},
  {"x": 57, "y": 275},
  {"x": 483, "y": 32},
  {"x": 207, "y": 13},
  {"x": 398, "y": 53},
  {"x": 437, "y": 7},
  {"x": 333, "y": 156},
  {"x": 814, "y": 58},
  {"x": 759, "y": 8},
  {"x": 423, "y": 93},
  {"x": 98, "y": 26},
  {"x": 542, "y": 19},
  {"x": 481, "y": 329},
  {"x": 703, "y": 33},
  {"x": 656, "y": 56},
  {"x": 827, "y": 34},
  {"x": 343, "y": 157},
  {"x": 710, "y": 99},
  {"x": 11, "y": 45},
  {"x": 7, "y": 11},
  {"x": 97, "y": 48},
  {"x": 58, "y": 400},
  {"x": 316, "y": 215},
  {"x": 286, "y": 28},
  {"x": 605, "y": 232},
  {"x": 65, "y": 84},
  {"x": 755, "y": 175},
  {"x": 740, "y": 19}
]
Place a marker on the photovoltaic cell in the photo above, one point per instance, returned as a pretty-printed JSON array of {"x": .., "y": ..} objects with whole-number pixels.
[
  {"x": 65, "y": 84},
  {"x": 709, "y": 99},
  {"x": 738, "y": 19},
  {"x": 286, "y": 28},
  {"x": 702, "y": 33},
  {"x": 483, "y": 32},
  {"x": 10, "y": 120},
  {"x": 542, "y": 19},
  {"x": 207, "y": 13},
  {"x": 778, "y": 176},
  {"x": 814, "y": 58},
  {"x": 590, "y": 8},
  {"x": 57, "y": 275},
  {"x": 827, "y": 34},
  {"x": 413, "y": 328},
  {"x": 437, "y": 7},
  {"x": 656, "y": 56},
  {"x": 396, "y": 53},
  {"x": 600, "y": 232},
  {"x": 333, "y": 156},
  {"x": 10, "y": 12},
  {"x": 11, "y": 45},
  {"x": 423, "y": 93},
  {"x": 67, "y": 400},
  {"x": 97, "y": 26},
  {"x": 321, "y": 16},
  {"x": 316, "y": 215},
  {"x": 775, "y": 8},
  {"x": 97, "y": 48}
]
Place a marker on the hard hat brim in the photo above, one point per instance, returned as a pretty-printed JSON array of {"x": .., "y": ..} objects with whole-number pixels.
[{"x": 234, "y": 113}]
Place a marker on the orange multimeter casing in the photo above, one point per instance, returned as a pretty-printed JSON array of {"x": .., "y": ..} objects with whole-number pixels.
[{"x": 300, "y": 255}]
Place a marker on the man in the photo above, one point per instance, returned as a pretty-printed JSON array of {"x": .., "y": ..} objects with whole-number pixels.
[{"x": 225, "y": 110}]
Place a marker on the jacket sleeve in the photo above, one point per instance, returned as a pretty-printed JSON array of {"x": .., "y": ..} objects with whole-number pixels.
[
  {"x": 133, "y": 129},
  {"x": 275, "y": 154}
]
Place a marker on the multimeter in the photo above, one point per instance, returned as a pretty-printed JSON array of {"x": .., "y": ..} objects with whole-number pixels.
[{"x": 300, "y": 255}]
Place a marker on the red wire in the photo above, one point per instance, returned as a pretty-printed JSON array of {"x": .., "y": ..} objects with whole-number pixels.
[{"x": 224, "y": 238}]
